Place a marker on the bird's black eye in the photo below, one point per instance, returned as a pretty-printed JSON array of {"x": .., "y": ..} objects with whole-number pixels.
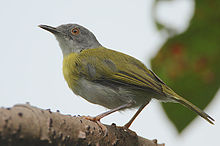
[{"x": 75, "y": 31}]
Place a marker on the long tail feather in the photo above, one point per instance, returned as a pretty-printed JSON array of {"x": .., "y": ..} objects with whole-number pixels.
[{"x": 193, "y": 108}]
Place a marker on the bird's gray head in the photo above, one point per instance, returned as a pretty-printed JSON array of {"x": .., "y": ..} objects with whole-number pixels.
[{"x": 73, "y": 37}]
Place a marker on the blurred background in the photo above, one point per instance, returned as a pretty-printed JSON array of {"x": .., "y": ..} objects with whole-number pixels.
[{"x": 178, "y": 39}]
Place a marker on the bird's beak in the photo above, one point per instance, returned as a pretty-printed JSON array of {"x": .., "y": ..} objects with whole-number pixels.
[{"x": 49, "y": 28}]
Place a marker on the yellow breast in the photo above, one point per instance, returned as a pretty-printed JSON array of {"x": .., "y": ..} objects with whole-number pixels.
[{"x": 70, "y": 70}]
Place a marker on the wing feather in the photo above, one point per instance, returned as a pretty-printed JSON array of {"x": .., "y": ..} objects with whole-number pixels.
[{"x": 109, "y": 65}]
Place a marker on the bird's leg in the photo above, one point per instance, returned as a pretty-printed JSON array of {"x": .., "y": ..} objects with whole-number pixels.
[
  {"x": 100, "y": 116},
  {"x": 136, "y": 114}
]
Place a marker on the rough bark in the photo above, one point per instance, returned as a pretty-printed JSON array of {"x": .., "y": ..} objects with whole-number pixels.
[{"x": 25, "y": 125}]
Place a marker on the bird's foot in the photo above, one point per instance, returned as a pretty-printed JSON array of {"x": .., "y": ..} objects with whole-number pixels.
[
  {"x": 97, "y": 120},
  {"x": 127, "y": 125}
]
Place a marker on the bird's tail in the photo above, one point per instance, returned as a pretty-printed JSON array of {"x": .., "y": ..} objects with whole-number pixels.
[{"x": 189, "y": 105}]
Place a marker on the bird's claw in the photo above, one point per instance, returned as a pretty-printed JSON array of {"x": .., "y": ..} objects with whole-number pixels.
[{"x": 97, "y": 120}]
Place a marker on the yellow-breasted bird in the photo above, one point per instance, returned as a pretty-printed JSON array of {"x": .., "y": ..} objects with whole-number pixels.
[{"x": 109, "y": 78}]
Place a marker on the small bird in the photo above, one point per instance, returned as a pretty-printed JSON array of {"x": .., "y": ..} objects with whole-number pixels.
[{"x": 109, "y": 78}]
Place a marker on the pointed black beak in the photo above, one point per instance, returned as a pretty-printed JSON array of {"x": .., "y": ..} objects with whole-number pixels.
[{"x": 49, "y": 28}]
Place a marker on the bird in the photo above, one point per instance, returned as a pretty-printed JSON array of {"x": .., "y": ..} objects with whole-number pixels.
[{"x": 110, "y": 78}]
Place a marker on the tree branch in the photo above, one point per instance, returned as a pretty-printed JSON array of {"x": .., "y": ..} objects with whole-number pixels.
[{"x": 25, "y": 125}]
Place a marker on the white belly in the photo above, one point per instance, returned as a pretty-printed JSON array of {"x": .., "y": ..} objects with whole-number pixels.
[{"x": 107, "y": 96}]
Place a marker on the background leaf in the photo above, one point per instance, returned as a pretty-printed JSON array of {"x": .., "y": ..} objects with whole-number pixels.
[{"x": 190, "y": 62}]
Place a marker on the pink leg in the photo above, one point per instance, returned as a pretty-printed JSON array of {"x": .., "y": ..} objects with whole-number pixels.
[
  {"x": 136, "y": 114},
  {"x": 100, "y": 116}
]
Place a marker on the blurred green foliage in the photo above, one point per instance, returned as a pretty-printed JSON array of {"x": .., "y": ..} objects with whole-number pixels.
[{"x": 190, "y": 62}]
